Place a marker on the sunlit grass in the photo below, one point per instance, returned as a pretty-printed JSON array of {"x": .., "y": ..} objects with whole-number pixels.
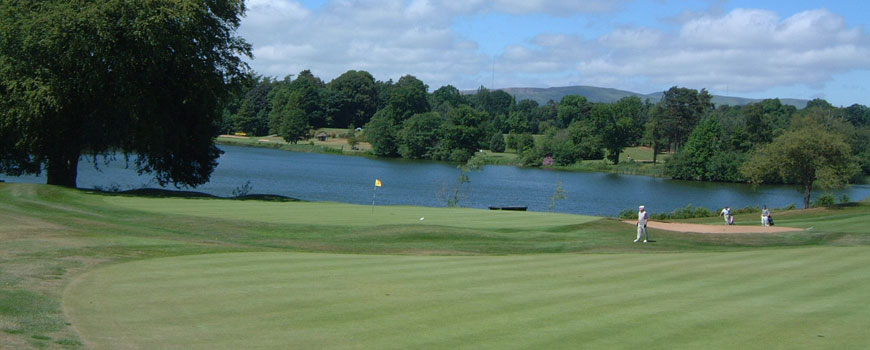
[{"x": 50, "y": 236}]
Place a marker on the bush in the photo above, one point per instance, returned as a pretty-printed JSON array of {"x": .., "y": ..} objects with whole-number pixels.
[
  {"x": 687, "y": 212},
  {"x": 511, "y": 141},
  {"x": 747, "y": 210},
  {"x": 524, "y": 142},
  {"x": 825, "y": 200},
  {"x": 845, "y": 199},
  {"x": 496, "y": 143},
  {"x": 627, "y": 214},
  {"x": 459, "y": 155},
  {"x": 243, "y": 190},
  {"x": 530, "y": 158}
]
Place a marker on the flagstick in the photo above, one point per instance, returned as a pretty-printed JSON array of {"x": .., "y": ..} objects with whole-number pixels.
[{"x": 373, "y": 198}]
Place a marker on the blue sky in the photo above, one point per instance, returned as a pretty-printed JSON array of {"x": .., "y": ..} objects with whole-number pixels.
[{"x": 761, "y": 49}]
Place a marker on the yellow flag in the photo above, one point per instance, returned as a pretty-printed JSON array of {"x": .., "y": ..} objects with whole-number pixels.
[{"x": 377, "y": 183}]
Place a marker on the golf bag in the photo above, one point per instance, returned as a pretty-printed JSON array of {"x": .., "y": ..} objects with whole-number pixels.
[
  {"x": 731, "y": 220},
  {"x": 770, "y": 220}
]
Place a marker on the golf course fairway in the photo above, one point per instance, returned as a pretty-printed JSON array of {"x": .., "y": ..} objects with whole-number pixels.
[
  {"x": 82, "y": 269},
  {"x": 807, "y": 298}
]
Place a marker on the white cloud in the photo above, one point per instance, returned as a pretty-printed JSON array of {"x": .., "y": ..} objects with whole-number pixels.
[
  {"x": 550, "y": 7},
  {"x": 632, "y": 38},
  {"x": 745, "y": 49}
]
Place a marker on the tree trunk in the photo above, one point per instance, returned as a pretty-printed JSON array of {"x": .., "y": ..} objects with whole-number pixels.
[
  {"x": 655, "y": 151},
  {"x": 807, "y": 190},
  {"x": 63, "y": 169}
]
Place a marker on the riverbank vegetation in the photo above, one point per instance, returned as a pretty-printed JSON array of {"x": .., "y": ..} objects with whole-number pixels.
[
  {"x": 55, "y": 240},
  {"x": 703, "y": 142}
]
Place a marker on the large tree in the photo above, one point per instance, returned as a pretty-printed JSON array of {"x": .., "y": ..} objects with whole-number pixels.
[
  {"x": 408, "y": 97},
  {"x": 419, "y": 135},
  {"x": 147, "y": 78},
  {"x": 356, "y": 98},
  {"x": 253, "y": 114},
  {"x": 445, "y": 98},
  {"x": 573, "y": 108},
  {"x": 618, "y": 125},
  {"x": 461, "y": 133},
  {"x": 382, "y": 133},
  {"x": 493, "y": 102},
  {"x": 680, "y": 110},
  {"x": 809, "y": 157}
]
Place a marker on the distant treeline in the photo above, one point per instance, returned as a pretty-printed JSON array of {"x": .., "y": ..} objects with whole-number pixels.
[{"x": 402, "y": 119}]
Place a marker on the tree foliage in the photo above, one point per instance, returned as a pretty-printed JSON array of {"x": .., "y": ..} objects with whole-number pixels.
[
  {"x": 355, "y": 98},
  {"x": 445, "y": 98},
  {"x": 809, "y": 157},
  {"x": 706, "y": 156},
  {"x": 408, "y": 97},
  {"x": 619, "y": 125},
  {"x": 680, "y": 110},
  {"x": 94, "y": 77},
  {"x": 493, "y": 102},
  {"x": 461, "y": 134},
  {"x": 419, "y": 135},
  {"x": 572, "y": 108},
  {"x": 382, "y": 133},
  {"x": 496, "y": 143},
  {"x": 253, "y": 114}
]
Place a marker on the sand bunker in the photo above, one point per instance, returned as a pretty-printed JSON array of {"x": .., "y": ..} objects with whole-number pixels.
[{"x": 699, "y": 228}]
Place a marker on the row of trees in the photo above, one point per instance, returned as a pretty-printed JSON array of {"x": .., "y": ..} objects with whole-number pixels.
[
  {"x": 268, "y": 106},
  {"x": 728, "y": 143},
  {"x": 402, "y": 119},
  {"x": 767, "y": 142}
]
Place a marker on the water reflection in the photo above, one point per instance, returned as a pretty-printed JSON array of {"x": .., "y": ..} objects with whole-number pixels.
[{"x": 323, "y": 177}]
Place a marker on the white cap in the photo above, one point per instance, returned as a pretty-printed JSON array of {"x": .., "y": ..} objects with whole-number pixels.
[{"x": 641, "y": 207}]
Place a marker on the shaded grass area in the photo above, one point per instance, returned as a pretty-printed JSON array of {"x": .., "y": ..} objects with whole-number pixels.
[{"x": 50, "y": 235}]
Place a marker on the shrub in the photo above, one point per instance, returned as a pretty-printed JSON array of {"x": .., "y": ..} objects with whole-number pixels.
[
  {"x": 627, "y": 214},
  {"x": 243, "y": 190},
  {"x": 459, "y": 155},
  {"x": 496, "y": 143},
  {"x": 747, "y": 210},
  {"x": 530, "y": 158},
  {"x": 524, "y": 142},
  {"x": 845, "y": 199},
  {"x": 825, "y": 200}
]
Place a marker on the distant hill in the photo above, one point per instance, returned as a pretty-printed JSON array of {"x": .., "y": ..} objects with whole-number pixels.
[{"x": 608, "y": 95}]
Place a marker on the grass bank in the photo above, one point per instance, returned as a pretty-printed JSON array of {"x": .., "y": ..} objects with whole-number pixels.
[{"x": 488, "y": 278}]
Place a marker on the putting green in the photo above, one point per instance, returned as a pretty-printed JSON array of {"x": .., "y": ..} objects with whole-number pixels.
[
  {"x": 340, "y": 214},
  {"x": 772, "y": 298}
]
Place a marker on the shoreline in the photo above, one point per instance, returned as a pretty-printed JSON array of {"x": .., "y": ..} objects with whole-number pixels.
[{"x": 630, "y": 167}]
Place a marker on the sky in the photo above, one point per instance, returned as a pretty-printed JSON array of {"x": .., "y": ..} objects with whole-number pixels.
[{"x": 756, "y": 48}]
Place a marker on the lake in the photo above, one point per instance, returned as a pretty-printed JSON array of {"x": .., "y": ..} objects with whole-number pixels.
[{"x": 350, "y": 179}]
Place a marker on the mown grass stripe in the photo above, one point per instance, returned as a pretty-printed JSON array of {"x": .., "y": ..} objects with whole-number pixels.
[{"x": 542, "y": 301}]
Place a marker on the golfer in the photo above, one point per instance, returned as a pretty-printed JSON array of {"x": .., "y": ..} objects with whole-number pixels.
[
  {"x": 765, "y": 217},
  {"x": 642, "y": 217},
  {"x": 726, "y": 213}
]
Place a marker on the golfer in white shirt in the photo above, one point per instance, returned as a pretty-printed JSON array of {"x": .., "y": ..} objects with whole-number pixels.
[{"x": 642, "y": 217}]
